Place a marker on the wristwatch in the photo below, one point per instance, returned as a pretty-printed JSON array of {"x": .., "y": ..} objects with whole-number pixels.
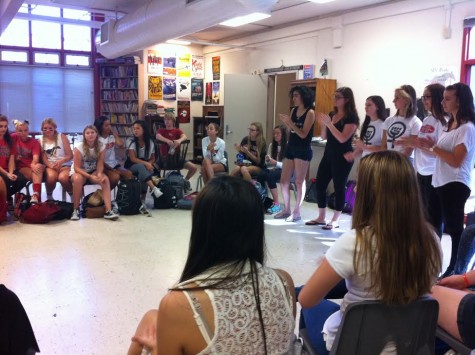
[{"x": 431, "y": 149}]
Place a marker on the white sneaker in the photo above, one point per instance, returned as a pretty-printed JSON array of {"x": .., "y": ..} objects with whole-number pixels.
[
  {"x": 111, "y": 215},
  {"x": 75, "y": 215},
  {"x": 157, "y": 192},
  {"x": 143, "y": 210},
  {"x": 34, "y": 199}
]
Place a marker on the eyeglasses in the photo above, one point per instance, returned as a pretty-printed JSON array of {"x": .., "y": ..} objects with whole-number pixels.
[
  {"x": 338, "y": 97},
  {"x": 423, "y": 97},
  {"x": 48, "y": 129},
  {"x": 252, "y": 129}
]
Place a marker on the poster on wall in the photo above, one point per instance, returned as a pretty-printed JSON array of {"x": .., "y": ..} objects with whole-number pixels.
[
  {"x": 183, "y": 88},
  {"x": 196, "y": 89},
  {"x": 169, "y": 66},
  {"x": 444, "y": 75},
  {"x": 155, "y": 88},
  {"x": 308, "y": 71},
  {"x": 216, "y": 67},
  {"x": 184, "y": 65},
  {"x": 209, "y": 93},
  {"x": 197, "y": 66},
  {"x": 154, "y": 63},
  {"x": 183, "y": 111},
  {"x": 215, "y": 100},
  {"x": 169, "y": 89}
]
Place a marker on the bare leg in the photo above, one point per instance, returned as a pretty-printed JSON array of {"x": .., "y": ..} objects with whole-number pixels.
[
  {"x": 51, "y": 180},
  {"x": 287, "y": 169},
  {"x": 192, "y": 169},
  {"x": 301, "y": 167},
  {"x": 106, "y": 192},
  {"x": 64, "y": 179},
  {"x": 449, "y": 301},
  {"x": 78, "y": 182}
]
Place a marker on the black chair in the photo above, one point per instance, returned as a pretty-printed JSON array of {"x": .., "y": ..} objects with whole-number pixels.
[
  {"x": 173, "y": 162},
  {"x": 368, "y": 327}
]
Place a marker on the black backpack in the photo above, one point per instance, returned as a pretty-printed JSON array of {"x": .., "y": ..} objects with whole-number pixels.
[
  {"x": 128, "y": 196},
  {"x": 168, "y": 199},
  {"x": 178, "y": 182}
]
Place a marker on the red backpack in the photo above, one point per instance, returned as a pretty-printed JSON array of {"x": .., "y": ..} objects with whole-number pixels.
[{"x": 40, "y": 213}]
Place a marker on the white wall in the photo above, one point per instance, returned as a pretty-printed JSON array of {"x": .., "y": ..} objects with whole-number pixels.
[{"x": 382, "y": 48}]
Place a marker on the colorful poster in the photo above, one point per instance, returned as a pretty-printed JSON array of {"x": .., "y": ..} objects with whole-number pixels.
[
  {"x": 169, "y": 89},
  {"x": 209, "y": 93},
  {"x": 155, "y": 88},
  {"x": 183, "y": 111},
  {"x": 197, "y": 66},
  {"x": 216, "y": 67},
  {"x": 184, "y": 65},
  {"x": 183, "y": 88},
  {"x": 169, "y": 66},
  {"x": 215, "y": 100},
  {"x": 196, "y": 89},
  {"x": 308, "y": 71},
  {"x": 154, "y": 63}
]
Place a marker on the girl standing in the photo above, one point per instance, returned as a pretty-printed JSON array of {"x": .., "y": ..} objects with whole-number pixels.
[
  {"x": 273, "y": 172},
  {"x": 88, "y": 165},
  {"x": 254, "y": 149},
  {"x": 28, "y": 158},
  {"x": 214, "y": 160},
  {"x": 338, "y": 128},
  {"x": 57, "y": 156},
  {"x": 141, "y": 156},
  {"x": 298, "y": 153},
  {"x": 110, "y": 140}
]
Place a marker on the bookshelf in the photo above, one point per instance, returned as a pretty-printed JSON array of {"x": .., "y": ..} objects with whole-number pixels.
[
  {"x": 210, "y": 114},
  {"x": 120, "y": 96}
]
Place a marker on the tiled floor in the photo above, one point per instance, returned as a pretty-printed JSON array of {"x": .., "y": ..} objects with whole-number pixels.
[{"x": 86, "y": 284}]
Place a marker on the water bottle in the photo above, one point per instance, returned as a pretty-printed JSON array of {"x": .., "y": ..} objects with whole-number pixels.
[
  {"x": 239, "y": 158},
  {"x": 171, "y": 151}
]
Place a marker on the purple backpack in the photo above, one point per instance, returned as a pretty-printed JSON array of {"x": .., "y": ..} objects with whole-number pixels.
[{"x": 350, "y": 196}]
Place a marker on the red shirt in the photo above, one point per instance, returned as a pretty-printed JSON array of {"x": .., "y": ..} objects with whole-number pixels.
[
  {"x": 5, "y": 152},
  {"x": 26, "y": 151},
  {"x": 171, "y": 134}
]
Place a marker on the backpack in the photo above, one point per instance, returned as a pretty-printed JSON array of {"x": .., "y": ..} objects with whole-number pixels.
[
  {"x": 22, "y": 203},
  {"x": 186, "y": 203},
  {"x": 3, "y": 210},
  {"x": 350, "y": 196},
  {"x": 39, "y": 213},
  {"x": 128, "y": 196},
  {"x": 89, "y": 211},
  {"x": 311, "y": 193},
  {"x": 178, "y": 182},
  {"x": 168, "y": 199},
  {"x": 65, "y": 209}
]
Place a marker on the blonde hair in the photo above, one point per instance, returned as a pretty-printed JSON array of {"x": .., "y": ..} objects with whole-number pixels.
[
  {"x": 18, "y": 123},
  {"x": 85, "y": 147},
  {"x": 260, "y": 140},
  {"x": 51, "y": 122},
  {"x": 169, "y": 115},
  {"x": 394, "y": 243}
]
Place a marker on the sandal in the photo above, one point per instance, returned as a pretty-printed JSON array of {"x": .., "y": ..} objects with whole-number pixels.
[
  {"x": 314, "y": 222},
  {"x": 282, "y": 215},
  {"x": 293, "y": 218},
  {"x": 330, "y": 226}
]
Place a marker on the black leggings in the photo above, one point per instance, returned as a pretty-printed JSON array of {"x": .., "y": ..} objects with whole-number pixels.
[
  {"x": 336, "y": 169},
  {"x": 452, "y": 198},
  {"x": 431, "y": 202}
]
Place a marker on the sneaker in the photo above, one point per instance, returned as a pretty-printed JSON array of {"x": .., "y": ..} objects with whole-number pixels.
[
  {"x": 157, "y": 192},
  {"x": 274, "y": 209},
  {"x": 34, "y": 199},
  {"x": 111, "y": 215},
  {"x": 75, "y": 215},
  {"x": 143, "y": 210},
  {"x": 115, "y": 208},
  {"x": 187, "y": 186}
]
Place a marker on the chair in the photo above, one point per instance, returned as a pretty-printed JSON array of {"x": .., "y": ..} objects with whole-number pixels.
[
  {"x": 174, "y": 162},
  {"x": 367, "y": 327},
  {"x": 199, "y": 182}
]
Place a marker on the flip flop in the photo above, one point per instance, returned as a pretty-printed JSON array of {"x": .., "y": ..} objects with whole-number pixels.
[
  {"x": 330, "y": 226},
  {"x": 282, "y": 215},
  {"x": 314, "y": 222},
  {"x": 291, "y": 218}
]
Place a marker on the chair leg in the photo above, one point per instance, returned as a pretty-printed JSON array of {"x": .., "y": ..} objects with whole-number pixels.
[{"x": 199, "y": 183}]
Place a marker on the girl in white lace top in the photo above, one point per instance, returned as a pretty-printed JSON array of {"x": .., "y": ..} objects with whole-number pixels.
[{"x": 226, "y": 302}]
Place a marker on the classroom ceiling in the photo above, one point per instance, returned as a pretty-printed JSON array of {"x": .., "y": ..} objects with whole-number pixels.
[{"x": 284, "y": 13}]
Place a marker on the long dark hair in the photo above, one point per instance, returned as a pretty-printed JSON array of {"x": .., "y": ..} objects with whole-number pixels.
[
  {"x": 99, "y": 123},
  {"x": 147, "y": 137},
  {"x": 307, "y": 95},
  {"x": 283, "y": 144},
  {"x": 466, "y": 111},
  {"x": 218, "y": 238},
  {"x": 350, "y": 105},
  {"x": 437, "y": 94},
  {"x": 7, "y": 137},
  {"x": 381, "y": 112}
]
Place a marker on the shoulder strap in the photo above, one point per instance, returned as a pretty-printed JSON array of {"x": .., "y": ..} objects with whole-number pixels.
[
  {"x": 199, "y": 317},
  {"x": 286, "y": 286}
]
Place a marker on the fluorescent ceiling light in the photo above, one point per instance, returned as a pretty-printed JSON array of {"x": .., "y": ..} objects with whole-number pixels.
[
  {"x": 242, "y": 20},
  {"x": 177, "y": 41},
  {"x": 321, "y": 1}
]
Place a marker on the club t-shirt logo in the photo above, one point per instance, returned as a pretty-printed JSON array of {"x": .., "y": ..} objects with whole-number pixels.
[
  {"x": 370, "y": 132},
  {"x": 395, "y": 131}
]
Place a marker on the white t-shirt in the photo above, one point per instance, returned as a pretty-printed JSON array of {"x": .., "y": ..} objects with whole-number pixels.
[
  {"x": 131, "y": 146},
  {"x": 90, "y": 164},
  {"x": 219, "y": 148},
  {"x": 54, "y": 152},
  {"x": 444, "y": 173},
  {"x": 397, "y": 127},
  {"x": 373, "y": 136},
  {"x": 425, "y": 162},
  {"x": 109, "y": 146}
]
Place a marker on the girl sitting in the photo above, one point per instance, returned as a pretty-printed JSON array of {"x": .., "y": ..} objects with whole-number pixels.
[
  {"x": 214, "y": 160},
  {"x": 88, "y": 166}
]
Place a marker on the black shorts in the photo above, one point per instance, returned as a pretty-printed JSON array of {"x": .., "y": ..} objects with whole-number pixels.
[
  {"x": 466, "y": 319},
  {"x": 298, "y": 153}
]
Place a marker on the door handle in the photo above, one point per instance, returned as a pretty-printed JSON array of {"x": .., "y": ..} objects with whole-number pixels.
[{"x": 227, "y": 131}]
